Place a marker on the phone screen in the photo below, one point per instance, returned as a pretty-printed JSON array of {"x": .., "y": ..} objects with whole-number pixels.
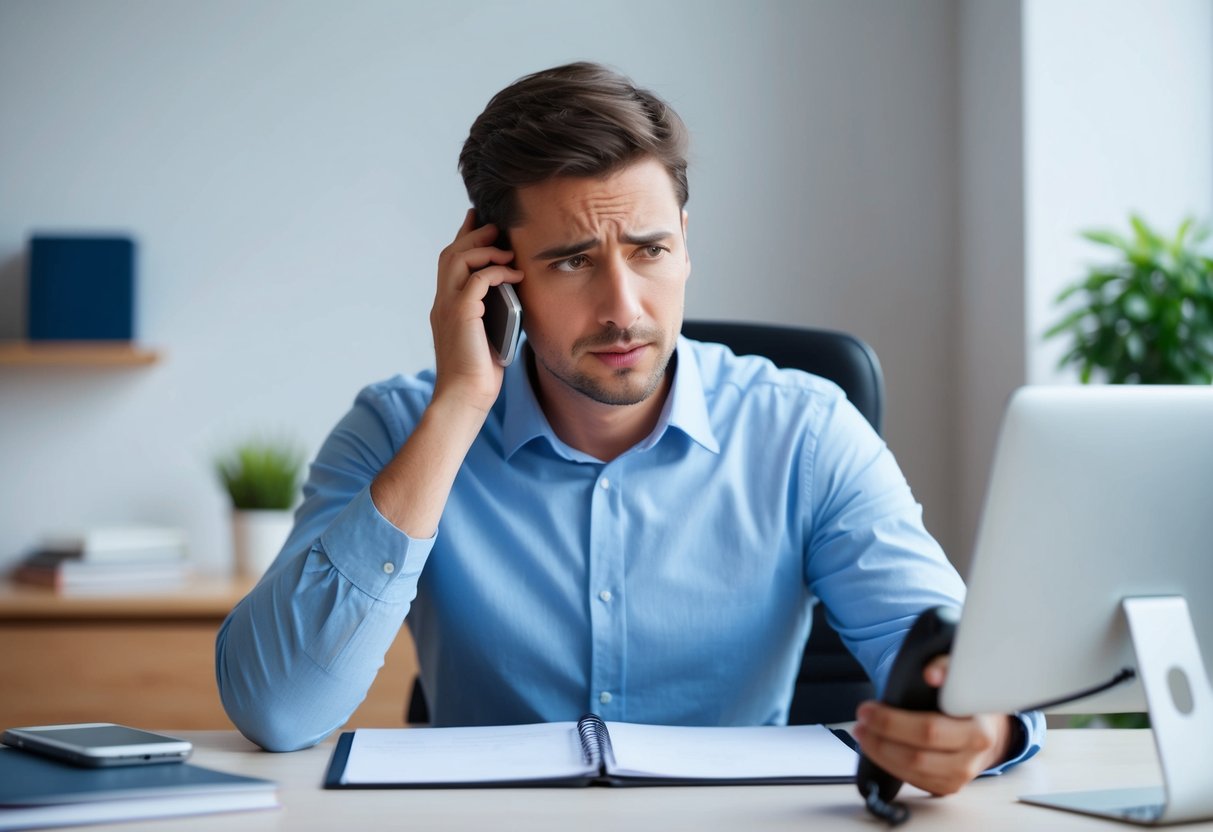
[
  {"x": 98, "y": 735},
  {"x": 98, "y": 744}
]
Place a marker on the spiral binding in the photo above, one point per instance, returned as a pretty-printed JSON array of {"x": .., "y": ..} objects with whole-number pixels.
[{"x": 595, "y": 740}]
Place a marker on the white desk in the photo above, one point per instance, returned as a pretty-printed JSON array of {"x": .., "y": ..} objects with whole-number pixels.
[{"x": 1072, "y": 760}]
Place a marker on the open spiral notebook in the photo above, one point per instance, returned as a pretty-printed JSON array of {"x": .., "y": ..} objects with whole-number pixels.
[{"x": 589, "y": 752}]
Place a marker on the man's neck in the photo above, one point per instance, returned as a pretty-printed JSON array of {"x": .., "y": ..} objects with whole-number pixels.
[{"x": 604, "y": 431}]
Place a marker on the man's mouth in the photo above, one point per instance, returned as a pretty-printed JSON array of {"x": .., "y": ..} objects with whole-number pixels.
[{"x": 620, "y": 356}]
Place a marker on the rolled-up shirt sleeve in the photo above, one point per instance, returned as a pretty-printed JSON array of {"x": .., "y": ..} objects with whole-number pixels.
[{"x": 297, "y": 656}]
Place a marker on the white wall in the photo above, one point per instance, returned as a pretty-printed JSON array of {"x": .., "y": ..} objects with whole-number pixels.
[
  {"x": 289, "y": 171},
  {"x": 1119, "y": 118}
]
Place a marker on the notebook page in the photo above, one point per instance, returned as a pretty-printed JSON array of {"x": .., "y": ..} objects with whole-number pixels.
[
  {"x": 728, "y": 753},
  {"x": 465, "y": 755}
]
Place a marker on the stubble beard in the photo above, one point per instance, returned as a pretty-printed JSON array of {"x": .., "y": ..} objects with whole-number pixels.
[{"x": 603, "y": 392}]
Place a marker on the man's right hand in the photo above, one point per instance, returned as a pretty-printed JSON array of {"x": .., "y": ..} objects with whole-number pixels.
[{"x": 467, "y": 373}]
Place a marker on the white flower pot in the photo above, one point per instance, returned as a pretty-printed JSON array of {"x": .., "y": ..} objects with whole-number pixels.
[{"x": 257, "y": 537}]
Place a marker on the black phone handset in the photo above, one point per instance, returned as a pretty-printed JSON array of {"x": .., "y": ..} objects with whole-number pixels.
[{"x": 930, "y": 636}]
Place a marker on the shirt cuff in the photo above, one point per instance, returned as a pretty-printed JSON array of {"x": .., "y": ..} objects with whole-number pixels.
[
  {"x": 372, "y": 554},
  {"x": 1029, "y": 738}
]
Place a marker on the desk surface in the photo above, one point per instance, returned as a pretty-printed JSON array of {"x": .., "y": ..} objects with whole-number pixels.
[
  {"x": 1072, "y": 760},
  {"x": 200, "y": 598}
]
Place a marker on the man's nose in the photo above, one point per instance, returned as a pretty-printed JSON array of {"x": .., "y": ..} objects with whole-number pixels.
[{"x": 619, "y": 299}]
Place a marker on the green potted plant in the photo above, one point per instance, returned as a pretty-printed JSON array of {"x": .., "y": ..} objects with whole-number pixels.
[
  {"x": 262, "y": 478},
  {"x": 1145, "y": 316}
]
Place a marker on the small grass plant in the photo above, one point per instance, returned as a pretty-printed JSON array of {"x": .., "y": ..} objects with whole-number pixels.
[{"x": 262, "y": 473}]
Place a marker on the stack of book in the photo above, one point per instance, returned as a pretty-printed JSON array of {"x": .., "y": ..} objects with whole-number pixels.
[
  {"x": 126, "y": 559},
  {"x": 36, "y": 792}
]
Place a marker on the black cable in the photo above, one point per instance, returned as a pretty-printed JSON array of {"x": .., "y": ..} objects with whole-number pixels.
[
  {"x": 891, "y": 812},
  {"x": 1126, "y": 674}
]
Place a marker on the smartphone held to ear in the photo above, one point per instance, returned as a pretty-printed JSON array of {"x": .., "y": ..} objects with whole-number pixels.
[
  {"x": 503, "y": 322},
  {"x": 502, "y": 311},
  {"x": 98, "y": 744}
]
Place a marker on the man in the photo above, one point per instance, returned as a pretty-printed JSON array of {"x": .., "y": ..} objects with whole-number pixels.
[{"x": 622, "y": 521}]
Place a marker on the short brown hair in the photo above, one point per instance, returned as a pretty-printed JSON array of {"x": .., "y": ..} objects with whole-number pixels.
[{"x": 580, "y": 119}]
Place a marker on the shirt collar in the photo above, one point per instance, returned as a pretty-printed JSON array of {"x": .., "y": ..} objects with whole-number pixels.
[
  {"x": 687, "y": 406},
  {"x": 686, "y": 409}
]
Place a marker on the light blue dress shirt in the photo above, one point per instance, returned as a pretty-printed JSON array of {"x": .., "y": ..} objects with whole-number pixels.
[{"x": 671, "y": 585}]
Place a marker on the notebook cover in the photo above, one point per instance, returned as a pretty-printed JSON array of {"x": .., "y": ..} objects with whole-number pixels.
[{"x": 28, "y": 780}]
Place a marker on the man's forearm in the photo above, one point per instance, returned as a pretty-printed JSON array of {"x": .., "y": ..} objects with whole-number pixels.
[{"x": 411, "y": 491}]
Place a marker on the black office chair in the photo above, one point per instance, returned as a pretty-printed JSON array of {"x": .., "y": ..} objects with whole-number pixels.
[{"x": 831, "y": 683}]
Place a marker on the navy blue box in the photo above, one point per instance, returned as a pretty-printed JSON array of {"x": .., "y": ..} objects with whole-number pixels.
[{"x": 81, "y": 288}]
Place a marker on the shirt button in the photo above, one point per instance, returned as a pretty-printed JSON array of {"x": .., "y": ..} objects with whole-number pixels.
[
  {"x": 605, "y": 483},
  {"x": 389, "y": 567},
  {"x": 606, "y": 596},
  {"x": 604, "y": 697}
]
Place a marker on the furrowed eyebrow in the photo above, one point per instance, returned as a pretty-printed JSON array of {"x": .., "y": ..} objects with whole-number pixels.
[
  {"x": 647, "y": 239},
  {"x": 559, "y": 252}
]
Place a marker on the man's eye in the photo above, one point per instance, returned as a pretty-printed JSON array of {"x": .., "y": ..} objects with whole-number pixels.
[
  {"x": 571, "y": 264},
  {"x": 654, "y": 251}
]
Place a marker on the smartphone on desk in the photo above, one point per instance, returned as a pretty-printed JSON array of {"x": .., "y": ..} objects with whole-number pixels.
[
  {"x": 98, "y": 744},
  {"x": 502, "y": 314}
]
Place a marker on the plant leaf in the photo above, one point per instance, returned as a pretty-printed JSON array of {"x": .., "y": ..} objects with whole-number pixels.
[
  {"x": 1147, "y": 317},
  {"x": 1177, "y": 244},
  {"x": 1145, "y": 235},
  {"x": 1067, "y": 323},
  {"x": 262, "y": 474},
  {"x": 1107, "y": 238}
]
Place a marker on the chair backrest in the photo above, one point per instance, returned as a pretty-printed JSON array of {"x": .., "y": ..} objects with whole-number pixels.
[
  {"x": 838, "y": 356},
  {"x": 831, "y": 683}
]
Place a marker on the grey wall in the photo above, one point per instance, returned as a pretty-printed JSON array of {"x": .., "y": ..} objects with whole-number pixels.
[
  {"x": 289, "y": 171},
  {"x": 990, "y": 333},
  {"x": 914, "y": 172}
]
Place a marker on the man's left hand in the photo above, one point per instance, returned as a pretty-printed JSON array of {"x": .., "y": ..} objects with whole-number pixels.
[{"x": 930, "y": 750}]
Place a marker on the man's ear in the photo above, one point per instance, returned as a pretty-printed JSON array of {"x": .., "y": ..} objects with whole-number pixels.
[{"x": 685, "y": 248}]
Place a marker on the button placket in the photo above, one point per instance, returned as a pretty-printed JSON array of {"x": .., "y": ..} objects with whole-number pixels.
[{"x": 605, "y": 574}]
